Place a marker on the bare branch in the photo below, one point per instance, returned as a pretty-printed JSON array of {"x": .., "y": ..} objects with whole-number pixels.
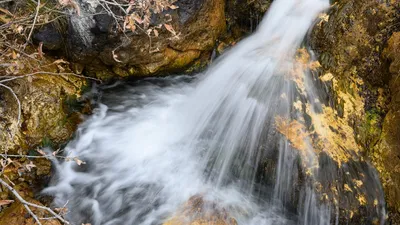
[
  {"x": 34, "y": 23},
  {"x": 33, "y": 156},
  {"x": 27, "y": 204},
  {"x": 16, "y": 98},
  {"x": 32, "y": 214},
  {"x": 48, "y": 73}
]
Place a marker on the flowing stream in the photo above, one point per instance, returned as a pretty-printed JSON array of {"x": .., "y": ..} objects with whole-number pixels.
[{"x": 152, "y": 145}]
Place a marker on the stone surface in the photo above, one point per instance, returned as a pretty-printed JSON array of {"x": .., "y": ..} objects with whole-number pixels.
[
  {"x": 386, "y": 153},
  {"x": 49, "y": 36},
  {"x": 18, "y": 215},
  {"x": 350, "y": 41},
  {"x": 198, "y": 211},
  {"x": 48, "y": 119},
  {"x": 198, "y": 25}
]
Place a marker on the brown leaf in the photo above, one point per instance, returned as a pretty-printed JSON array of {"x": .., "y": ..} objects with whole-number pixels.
[
  {"x": 14, "y": 55},
  {"x": 137, "y": 18},
  {"x": 29, "y": 166},
  {"x": 71, "y": 3},
  {"x": 41, "y": 151},
  {"x": 6, "y": 202},
  {"x": 78, "y": 161},
  {"x": 173, "y": 6},
  {"x": 170, "y": 28},
  {"x": 155, "y": 32},
  {"x": 55, "y": 152}
]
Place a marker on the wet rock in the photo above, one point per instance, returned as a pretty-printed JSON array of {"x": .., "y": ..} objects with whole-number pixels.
[
  {"x": 199, "y": 211},
  {"x": 50, "y": 36},
  {"x": 198, "y": 25},
  {"x": 350, "y": 41},
  {"x": 48, "y": 118},
  {"x": 43, "y": 111},
  {"x": 386, "y": 153},
  {"x": 243, "y": 16},
  {"x": 104, "y": 23}
]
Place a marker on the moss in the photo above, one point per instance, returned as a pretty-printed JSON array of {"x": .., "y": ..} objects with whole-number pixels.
[
  {"x": 370, "y": 130},
  {"x": 120, "y": 71},
  {"x": 184, "y": 59},
  {"x": 47, "y": 142}
]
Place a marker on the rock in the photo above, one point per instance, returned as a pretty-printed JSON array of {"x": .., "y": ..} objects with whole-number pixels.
[
  {"x": 350, "y": 41},
  {"x": 243, "y": 16},
  {"x": 16, "y": 214},
  {"x": 198, "y": 211},
  {"x": 44, "y": 114},
  {"x": 48, "y": 118},
  {"x": 198, "y": 25},
  {"x": 50, "y": 36},
  {"x": 386, "y": 153},
  {"x": 104, "y": 23}
]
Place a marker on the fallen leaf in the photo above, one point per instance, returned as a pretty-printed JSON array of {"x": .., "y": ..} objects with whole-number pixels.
[
  {"x": 78, "y": 161},
  {"x": 6, "y": 202},
  {"x": 41, "y": 151},
  {"x": 29, "y": 166},
  {"x": 170, "y": 28}
]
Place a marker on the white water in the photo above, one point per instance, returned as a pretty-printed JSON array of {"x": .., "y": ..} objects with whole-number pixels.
[{"x": 151, "y": 146}]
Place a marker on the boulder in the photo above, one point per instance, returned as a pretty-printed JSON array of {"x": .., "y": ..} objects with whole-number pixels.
[
  {"x": 350, "y": 40},
  {"x": 199, "y": 211},
  {"x": 93, "y": 42}
]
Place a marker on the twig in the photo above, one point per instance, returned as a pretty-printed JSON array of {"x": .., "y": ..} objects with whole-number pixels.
[
  {"x": 16, "y": 98},
  {"x": 34, "y": 22},
  {"x": 33, "y": 156},
  {"x": 48, "y": 73},
  {"x": 32, "y": 214},
  {"x": 22, "y": 52},
  {"x": 27, "y": 204}
]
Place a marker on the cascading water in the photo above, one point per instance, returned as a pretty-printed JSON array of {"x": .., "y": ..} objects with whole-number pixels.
[{"x": 151, "y": 146}]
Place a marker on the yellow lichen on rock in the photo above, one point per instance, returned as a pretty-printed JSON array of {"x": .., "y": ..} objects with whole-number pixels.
[
  {"x": 294, "y": 131},
  {"x": 334, "y": 136}
]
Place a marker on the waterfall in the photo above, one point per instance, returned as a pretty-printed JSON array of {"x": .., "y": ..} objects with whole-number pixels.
[{"x": 151, "y": 146}]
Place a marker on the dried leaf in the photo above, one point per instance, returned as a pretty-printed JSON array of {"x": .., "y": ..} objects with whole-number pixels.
[
  {"x": 170, "y": 28},
  {"x": 137, "y": 18},
  {"x": 30, "y": 166},
  {"x": 6, "y": 202},
  {"x": 41, "y": 151},
  {"x": 78, "y": 161},
  {"x": 55, "y": 152},
  {"x": 71, "y": 3},
  {"x": 14, "y": 55},
  {"x": 155, "y": 31}
]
